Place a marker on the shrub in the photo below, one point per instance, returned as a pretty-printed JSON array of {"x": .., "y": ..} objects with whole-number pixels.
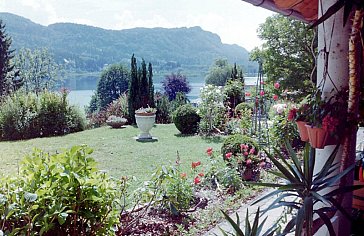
[
  {"x": 163, "y": 109},
  {"x": 241, "y": 107},
  {"x": 118, "y": 107},
  {"x": 211, "y": 109},
  {"x": 244, "y": 111},
  {"x": 186, "y": 119},
  {"x": 232, "y": 144},
  {"x": 234, "y": 92},
  {"x": 61, "y": 194},
  {"x": 175, "y": 83},
  {"x": 24, "y": 116}
]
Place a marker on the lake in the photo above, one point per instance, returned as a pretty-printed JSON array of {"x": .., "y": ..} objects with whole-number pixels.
[{"x": 82, "y": 98}]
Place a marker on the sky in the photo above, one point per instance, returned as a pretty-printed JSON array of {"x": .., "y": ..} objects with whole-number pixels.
[{"x": 235, "y": 21}]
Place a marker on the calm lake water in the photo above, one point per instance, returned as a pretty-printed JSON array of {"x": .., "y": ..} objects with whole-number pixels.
[{"x": 82, "y": 98}]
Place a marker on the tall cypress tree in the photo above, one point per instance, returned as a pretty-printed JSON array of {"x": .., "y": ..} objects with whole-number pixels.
[
  {"x": 133, "y": 93},
  {"x": 150, "y": 85},
  {"x": 144, "y": 88},
  {"x": 5, "y": 56}
]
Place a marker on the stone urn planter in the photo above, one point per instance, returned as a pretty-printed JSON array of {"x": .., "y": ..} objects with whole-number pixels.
[
  {"x": 116, "y": 122},
  {"x": 145, "y": 119}
]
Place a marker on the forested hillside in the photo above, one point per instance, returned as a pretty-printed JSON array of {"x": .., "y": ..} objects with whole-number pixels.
[{"x": 86, "y": 50}]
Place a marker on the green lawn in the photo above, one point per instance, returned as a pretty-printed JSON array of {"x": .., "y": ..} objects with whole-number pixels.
[{"x": 117, "y": 151}]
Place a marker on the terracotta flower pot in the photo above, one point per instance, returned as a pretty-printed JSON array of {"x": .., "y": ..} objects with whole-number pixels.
[
  {"x": 302, "y": 130},
  {"x": 318, "y": 137},
  {"x": 358, "y": 196}
]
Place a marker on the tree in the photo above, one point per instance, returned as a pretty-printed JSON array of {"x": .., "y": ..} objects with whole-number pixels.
[
  {"x": 113, "y": 82},
  {"x": 6, "y": 54},
  {"x": 288, "y": 52},
  {"x": 140, "y": 87},
  {"x": 219, "y": 73},
  {"x": 174, "y": 83},
  {"x": 37, "y": 69}
]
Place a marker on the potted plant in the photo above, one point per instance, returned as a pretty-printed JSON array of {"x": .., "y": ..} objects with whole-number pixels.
[
  {"x": 116, "y": 121},
  {"x": 319, "y": 121},
  {"x": 145, "y": 119},
  {"x": 302, "y": 189}
]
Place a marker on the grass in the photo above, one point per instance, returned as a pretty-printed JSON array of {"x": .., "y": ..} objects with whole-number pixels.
[{"x": 117, "y": 151}]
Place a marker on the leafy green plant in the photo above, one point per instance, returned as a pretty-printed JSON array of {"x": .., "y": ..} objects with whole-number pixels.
[
  {"x": 61, "y": 194},
  {"x": 303, "y": 190},
  {"x": 232, "y": 144},
  {"x": 254, "y": 229},
  {"x": 211, "y": 109},
  {"x": 234, "y": 93},
  {"x": 186, "y": 119}
]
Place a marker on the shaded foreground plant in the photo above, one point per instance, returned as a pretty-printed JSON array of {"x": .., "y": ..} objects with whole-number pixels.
[
  {"x": 304, "y": 191},
  {"x": 254, "y": 229}
]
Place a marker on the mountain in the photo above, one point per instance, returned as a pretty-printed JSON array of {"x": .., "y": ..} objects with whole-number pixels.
[{"x": 90, "y": 48}]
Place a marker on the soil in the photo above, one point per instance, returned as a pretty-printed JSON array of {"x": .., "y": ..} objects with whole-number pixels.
[{"x": 155, "y": 221}]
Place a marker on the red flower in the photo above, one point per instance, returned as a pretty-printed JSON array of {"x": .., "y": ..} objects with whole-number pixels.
[
  {"x": 276, "y": 85},
  {"x": 247, "y": 94},
  {"x": 197, "y": 180},
  {"x": 183, "y": 175},
  {"x": 201, "y": 174},
  {"x": 275, "y": 97},
  {"x": 195, "y": 164},
  {"x": 329, "y": 123},
  {"x": 242, "y": 147},
  {"x": 209, "y": 151},
  {"x": 292, "y": 114},
  {"x": 248, "y": 162},
  {"x": 228, "y": 155},
  {"x": 262, "y": 93}
]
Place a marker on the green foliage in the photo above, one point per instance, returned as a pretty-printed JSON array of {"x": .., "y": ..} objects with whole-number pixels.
[
  {"x": 163, "y": 109},
  {"x": 118, "y": 107},
  {"x": 253, "y": 229},
  {"x": 211, "y": 109},
  {"x": 61, "y": 194},
  {"x": 244, "y": 112},
  {"x": 175, "y": 83},
  {"x": 141, "y": 88},
  {"x": 219, "y": 73},
  {"x": 286, "y": 53},
  {"x": 310, "y": 194},
  {"x": 24, "y": 116},
  {"x": 186, "y": 119},
  {"x": 234, "y": 93},
  {"x": 37, "y": 69},
  {"x": 282, "y": 129},
  {"x": 113, "y": 83},
  {"x": 232, "y": 144},
  {"x": 6, "y": 54}
]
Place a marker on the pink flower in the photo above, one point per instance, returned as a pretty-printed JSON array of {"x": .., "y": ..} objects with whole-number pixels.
[
  {"x": 242, "y": 147},
  {"x": 262, "y": 82},
  {"x": 262, "y": 93},
  {"x": 228, "y": 155},
  {"x": 276, "y": 85},
  {"x": 246, "y": 153},
  {"x": 248, "y": 161},
  {"x": 262, "y": 164},
  {"x": 247, "y": 94},
  {"x": 197, "y": 180},
  {"x": 252, "y": 151},
  {"x": 183, "y": 175},
  {"x": 275, "y": 97},
  {"x": 201, "y": 174}
]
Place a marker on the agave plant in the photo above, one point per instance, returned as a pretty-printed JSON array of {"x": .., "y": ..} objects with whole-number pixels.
[
  {"x": 303, "y": 190},
  {"x": 254, "y": 229}
]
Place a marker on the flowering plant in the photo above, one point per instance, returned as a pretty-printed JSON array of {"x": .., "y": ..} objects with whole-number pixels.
[
  {"x": 148, "y": 110},
  {"x": 329, "y": 115}
]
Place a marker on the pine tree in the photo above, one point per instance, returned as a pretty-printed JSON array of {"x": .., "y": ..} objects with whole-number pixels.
[
  {"x": 5, "y": 56},
  {"x": 151, "y": 86}
]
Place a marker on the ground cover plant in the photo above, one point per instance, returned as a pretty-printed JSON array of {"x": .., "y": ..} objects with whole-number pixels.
[{"x": 181, "y": 188}]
